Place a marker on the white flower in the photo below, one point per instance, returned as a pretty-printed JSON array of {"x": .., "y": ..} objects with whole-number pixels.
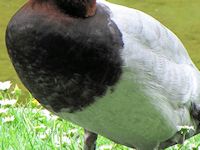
[
  {"x": 105, "y": 147},
  {"x": 8, "y": 119},
  {"x": 186, "y": 142},
  {"x": 45, "y": 112},
  {"x": 192, "y": 146},
  {"x": 8, "y": 102},
  {"x": 72, "y": 132},
  {"x": 54, "y": 117},
  {"x": 48, "y": 131},
  {"x": 42, "y": 136},
  {"x": 59, "y": 141},
  {"x": 40, "y": 127},
  {"x": 48, "y": 115},
  {"x": 5, "y": 85},
  {"x": 66, "y": 140},
  {"x": 175, "y": 147},
  {"x": 188, "y": 128},
  {"x": 3, "y": 111},
  {"x": 35, "y": 110}
]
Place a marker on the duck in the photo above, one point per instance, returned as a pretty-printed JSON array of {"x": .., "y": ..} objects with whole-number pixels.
[{"x": 113, "y": 70}]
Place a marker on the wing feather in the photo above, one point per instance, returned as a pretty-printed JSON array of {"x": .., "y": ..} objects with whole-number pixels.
[{"x": 140, "y": 28}]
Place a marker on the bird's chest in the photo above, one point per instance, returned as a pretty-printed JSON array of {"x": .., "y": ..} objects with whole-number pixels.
[
  {"x": 65, "y": 62},
  {"x": 127, "y": 116}
]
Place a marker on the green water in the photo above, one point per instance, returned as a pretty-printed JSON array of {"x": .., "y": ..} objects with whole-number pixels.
[
  {"x": 7, "y": 9},
  {"x": 181, "y": 16}
]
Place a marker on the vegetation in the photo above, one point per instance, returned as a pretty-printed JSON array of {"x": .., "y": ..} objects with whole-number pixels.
[{"x": 31, "y": 127}]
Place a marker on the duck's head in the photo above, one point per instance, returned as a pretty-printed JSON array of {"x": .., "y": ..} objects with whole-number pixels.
[{"x": 79, "y": 8}]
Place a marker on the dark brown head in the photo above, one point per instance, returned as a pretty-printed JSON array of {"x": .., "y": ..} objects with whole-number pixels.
[{"x": 79, "y": 8}]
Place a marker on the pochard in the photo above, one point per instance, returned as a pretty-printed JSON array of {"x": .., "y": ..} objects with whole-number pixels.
[{"x": 113, "y": 70}]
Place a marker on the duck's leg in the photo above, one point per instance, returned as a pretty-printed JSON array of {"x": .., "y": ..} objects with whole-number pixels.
[
  {"x": 195, "y": 111},
  {"x": 89, "y": 140}
]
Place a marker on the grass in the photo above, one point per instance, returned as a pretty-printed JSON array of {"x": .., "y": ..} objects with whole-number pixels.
[{"x": 31, "y": 127}]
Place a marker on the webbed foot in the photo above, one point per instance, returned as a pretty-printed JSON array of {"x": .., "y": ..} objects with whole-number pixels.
[{"x": 89, "y": 140}]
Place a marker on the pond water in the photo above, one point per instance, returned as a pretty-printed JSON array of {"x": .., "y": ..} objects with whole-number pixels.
[{"x": 7, "y": 9}]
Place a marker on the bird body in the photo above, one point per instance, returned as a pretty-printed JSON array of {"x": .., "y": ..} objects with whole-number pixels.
[{"x": 119, "y": 73}]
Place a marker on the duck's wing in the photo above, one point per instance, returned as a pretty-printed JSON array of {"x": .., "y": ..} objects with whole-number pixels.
[
  {"x": 148, "y": 32},
  {"x": 157, "y": 57},
  {"x": 158, "y": 63}
]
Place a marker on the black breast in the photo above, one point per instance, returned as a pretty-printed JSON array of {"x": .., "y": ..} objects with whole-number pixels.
[{"x": 65, "y": 62}]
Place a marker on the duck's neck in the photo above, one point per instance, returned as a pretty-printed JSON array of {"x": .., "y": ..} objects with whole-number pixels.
[{"x": 79, "y": 8}]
